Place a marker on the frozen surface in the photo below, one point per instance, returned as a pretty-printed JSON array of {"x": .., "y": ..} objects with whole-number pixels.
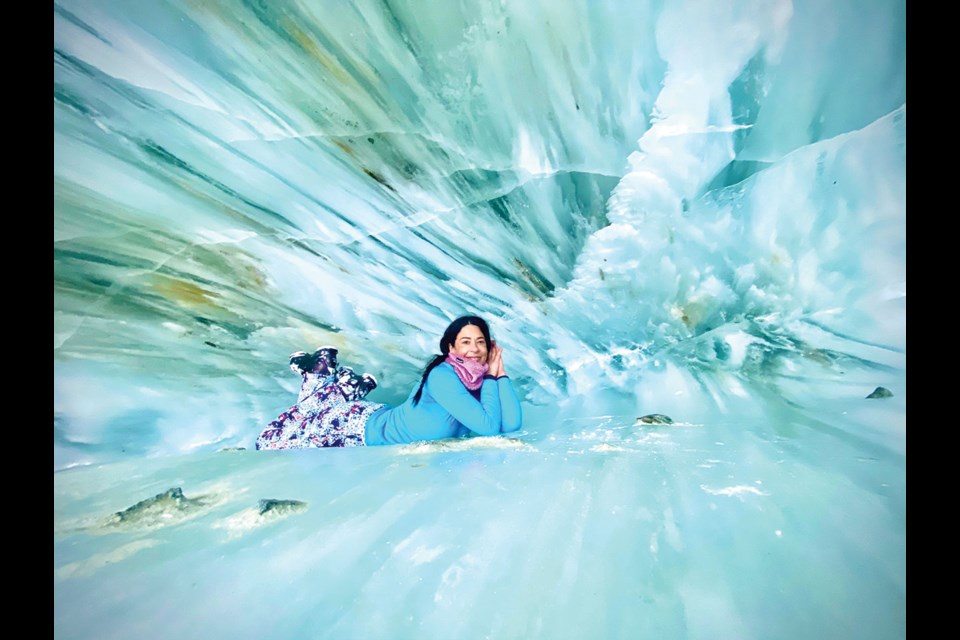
[{"x": 689, "y": 208}]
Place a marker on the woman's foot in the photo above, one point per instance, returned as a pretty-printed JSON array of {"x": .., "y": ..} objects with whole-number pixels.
[
  {"x": 298, "y": 360},
  {"x": 348, "y": 381},
  {"x": 367, "y": 384},
  {"x": 353, "y": 386},
  {"x": 326, "y": 360}
]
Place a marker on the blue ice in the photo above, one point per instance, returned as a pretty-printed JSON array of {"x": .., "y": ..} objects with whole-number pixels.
[{"x": 689, "y": 208}]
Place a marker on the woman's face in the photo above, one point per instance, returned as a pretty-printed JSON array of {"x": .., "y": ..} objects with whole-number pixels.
[{"x": 470, "y": 344}]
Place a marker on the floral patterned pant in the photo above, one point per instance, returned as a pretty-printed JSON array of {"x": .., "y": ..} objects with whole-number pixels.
[{"x": 324, "y": 418}]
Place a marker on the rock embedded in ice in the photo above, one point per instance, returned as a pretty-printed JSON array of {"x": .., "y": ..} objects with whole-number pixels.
[
  {"x": 281, "y": 507},
  {"x": 163, "y": 508},
  {"x": 880, "y": 392},
  {"x": 654, "y": 418}
]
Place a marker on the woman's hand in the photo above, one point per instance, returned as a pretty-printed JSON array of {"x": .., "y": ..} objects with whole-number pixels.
[{"x": 495, "y": 361}]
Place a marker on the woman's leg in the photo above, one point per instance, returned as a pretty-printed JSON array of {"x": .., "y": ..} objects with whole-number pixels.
[
  {"x": 332, "y": 414},
  {"x": 292, "y": 428},
  {"x": 281, "y": 433},
  {"x": 342, "y": 414},
  {"x": 340, "y": 425}
]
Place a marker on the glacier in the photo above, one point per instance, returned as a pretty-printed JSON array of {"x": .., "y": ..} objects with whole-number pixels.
[{"x": 679, "y": 207}]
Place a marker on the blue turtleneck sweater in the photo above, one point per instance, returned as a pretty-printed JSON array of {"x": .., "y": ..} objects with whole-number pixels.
[{"x": 447, "y": 409}]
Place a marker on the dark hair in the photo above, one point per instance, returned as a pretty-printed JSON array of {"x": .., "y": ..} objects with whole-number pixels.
[{"x": 448, "y": 338}]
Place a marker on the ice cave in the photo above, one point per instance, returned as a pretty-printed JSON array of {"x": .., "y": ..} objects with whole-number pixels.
[{"x": 685, "y": 221}]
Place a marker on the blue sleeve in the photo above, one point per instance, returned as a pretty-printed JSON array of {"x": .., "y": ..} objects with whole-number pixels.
[
  {"x": 511, "y": 415},
  {"x": 480, "y": 417}
]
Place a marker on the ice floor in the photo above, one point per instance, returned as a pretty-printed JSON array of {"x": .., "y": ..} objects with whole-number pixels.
[{"x": 589, "y": 527}]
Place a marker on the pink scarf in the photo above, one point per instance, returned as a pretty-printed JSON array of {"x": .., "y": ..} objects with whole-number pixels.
[{"x": 470, "y": 372}]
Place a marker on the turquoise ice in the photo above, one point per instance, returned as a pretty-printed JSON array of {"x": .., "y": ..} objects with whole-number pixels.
[{"x": 691, "y": 208}]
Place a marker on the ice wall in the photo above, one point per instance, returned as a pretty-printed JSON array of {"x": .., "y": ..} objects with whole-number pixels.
[
  {"x": 682, "y": 207},
  {"x": 691, "y": 208}
]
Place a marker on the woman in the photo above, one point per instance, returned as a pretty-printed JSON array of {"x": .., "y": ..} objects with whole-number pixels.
[{"x": 462, "y": 391}]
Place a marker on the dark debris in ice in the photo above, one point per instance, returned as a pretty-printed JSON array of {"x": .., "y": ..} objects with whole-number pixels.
[
  {"x": 281, "y": 507},
  {"x": 164, "y": 508},
  {"x": 654, "y": 418}
]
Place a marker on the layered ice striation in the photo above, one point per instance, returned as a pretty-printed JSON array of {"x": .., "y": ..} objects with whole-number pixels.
[{"x": 686, "y": 209}]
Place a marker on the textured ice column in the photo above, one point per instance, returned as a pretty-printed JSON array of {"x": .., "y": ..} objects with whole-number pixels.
[{"x": 753, "y": 281}]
